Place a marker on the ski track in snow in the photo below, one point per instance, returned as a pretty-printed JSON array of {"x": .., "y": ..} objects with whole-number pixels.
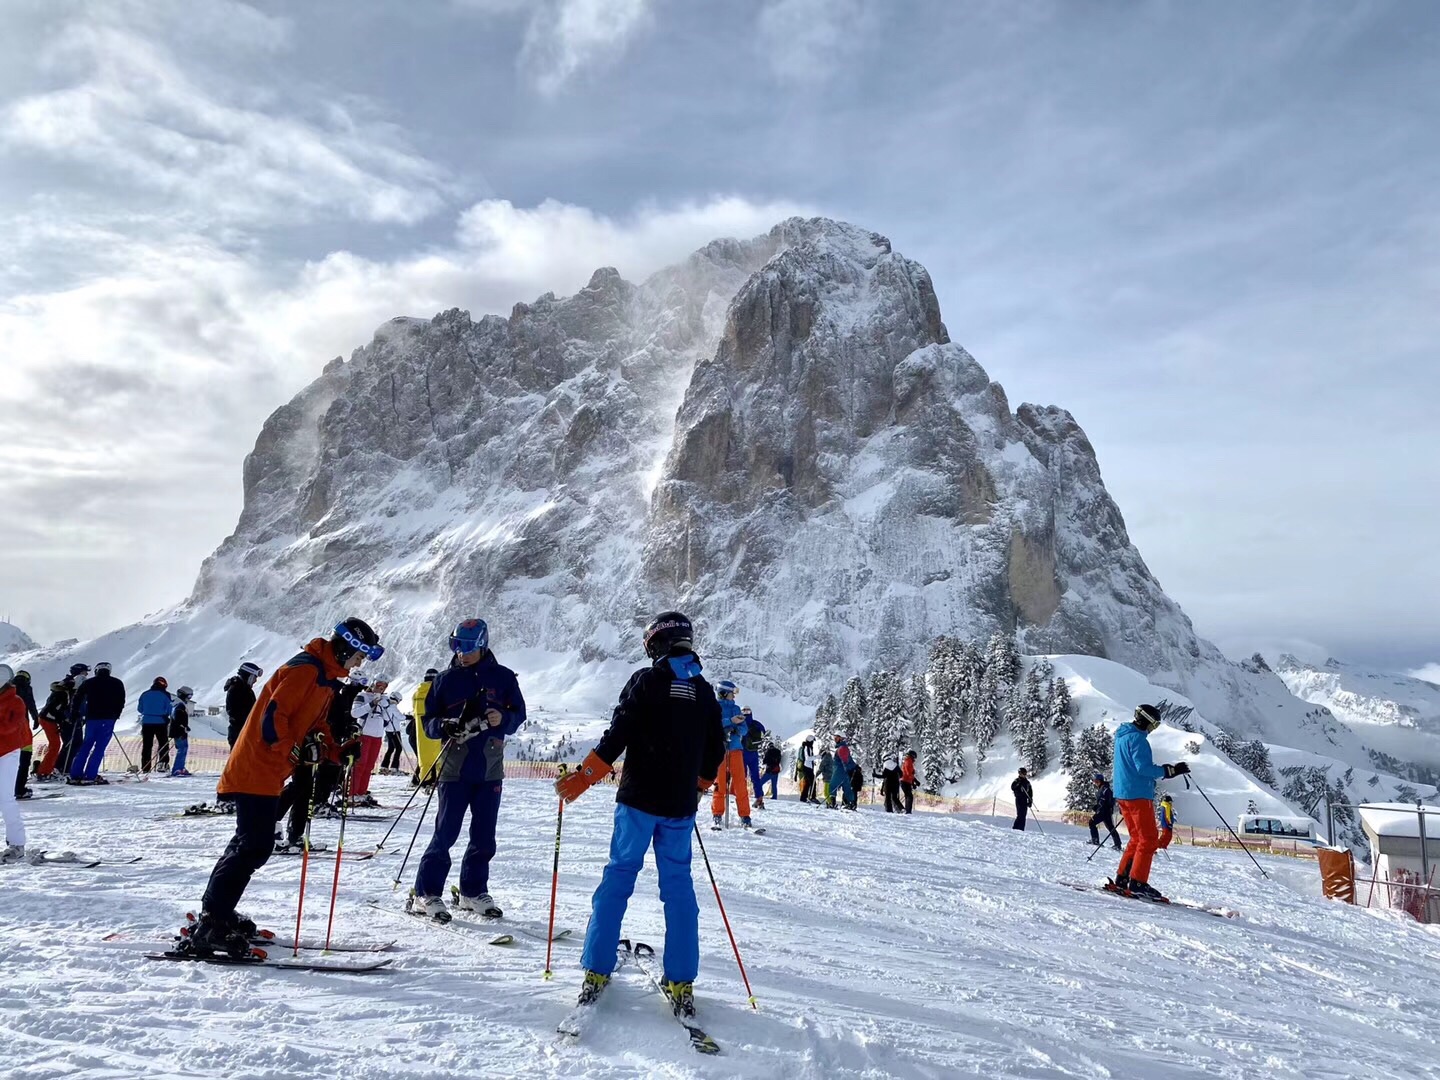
[{"x": 877, "y": 946}]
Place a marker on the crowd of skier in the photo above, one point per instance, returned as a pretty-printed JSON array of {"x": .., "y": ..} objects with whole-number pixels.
[{"x": 318, "y": 728}]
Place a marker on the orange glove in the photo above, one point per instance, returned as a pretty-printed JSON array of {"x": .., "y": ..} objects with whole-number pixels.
[
  {"x": 703, "y": 784},
  {"x": 592, "y": 771}
]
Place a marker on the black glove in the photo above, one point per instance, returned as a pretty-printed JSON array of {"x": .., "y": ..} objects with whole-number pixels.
[
  {"x": 451, "y": 728},
  {"x": 1178, "y": 769},
  {"x": 306, "y": 753},
  {"x": 350, "y": 753}
]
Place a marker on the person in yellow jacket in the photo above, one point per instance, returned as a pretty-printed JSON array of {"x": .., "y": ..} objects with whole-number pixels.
[
  {"x": 427, "y": 750},
  {"x": 1167, "y": 822}
]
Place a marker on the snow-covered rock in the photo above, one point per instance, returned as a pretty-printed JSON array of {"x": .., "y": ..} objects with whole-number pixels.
[
  {"x": 777, "y": 435},
  {"x": 1395, "y": 715},
  {"x": 13, "y": 640}
]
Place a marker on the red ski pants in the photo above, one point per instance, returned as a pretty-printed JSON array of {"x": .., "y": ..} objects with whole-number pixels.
[
  {"x": 369, "y": 755},
  {"x": 1165, "y": 837},
  {"x": 52, "y": 748},
  {"x": 732, "y": 769},
  {"x": 1144, "y": 836}
]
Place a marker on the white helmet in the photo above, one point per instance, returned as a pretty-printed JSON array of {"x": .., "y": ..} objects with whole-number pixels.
[
  {"x": 7, "y": 675},
  {"x": 185, "y": 692}
]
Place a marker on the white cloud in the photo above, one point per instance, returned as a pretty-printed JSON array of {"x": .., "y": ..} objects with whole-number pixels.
[
  {"x": 1430, "y": 673},
  {"x": 804, "y": 41},
  {"x": 128, "y": 106},
  {"x": 564, "y": 36},
  {"x": 169, "y": 354}
]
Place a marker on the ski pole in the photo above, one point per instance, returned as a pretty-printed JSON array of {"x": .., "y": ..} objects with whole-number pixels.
[
  {"x": 721, "y": 904},
  {"x": 1037, "y": 823},
  {"x": 554, "y": 884},
  {"x": 339, "y": 852},
  {"x": 414, "y": 836},
  {"x": 434, "y": 770},
  {"x": 1227, "y": 825},
  {"x": 129, "y": 762},
  {"x": 304, "y": 860}
]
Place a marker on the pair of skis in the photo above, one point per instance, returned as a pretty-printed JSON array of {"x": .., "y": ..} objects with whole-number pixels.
[
  {"x": 468, "y": 928},
  {"x": 574, "y": 1024},
  {"x": 70, "y": 858},
  {"x": 1110, "y": 889}
]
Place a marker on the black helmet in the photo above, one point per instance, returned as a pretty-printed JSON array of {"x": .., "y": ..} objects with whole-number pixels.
[
  {"x": 354, "y": 635},
  {"x": 250, "y": 672},
  {"x": 79, "y": 669},
  {"x": 668, "y": 631},
  {"x": 431, "y": 674},
  {"x": 1147, "y": 717}
]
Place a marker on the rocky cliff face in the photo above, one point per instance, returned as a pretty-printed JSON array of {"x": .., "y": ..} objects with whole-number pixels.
[{"x": 777, "y": 435}]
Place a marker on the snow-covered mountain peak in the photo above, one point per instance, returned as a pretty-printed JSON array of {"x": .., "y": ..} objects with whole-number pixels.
[{"x": 13, "y": 639}]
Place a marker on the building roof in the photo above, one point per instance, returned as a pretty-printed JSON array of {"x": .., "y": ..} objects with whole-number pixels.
[{"x": 1400, "y": 819}]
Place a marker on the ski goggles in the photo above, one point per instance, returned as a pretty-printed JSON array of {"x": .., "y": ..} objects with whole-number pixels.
[{"x": 371, "y": 652}]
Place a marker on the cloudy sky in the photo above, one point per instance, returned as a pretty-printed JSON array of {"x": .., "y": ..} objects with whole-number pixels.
[{"x": 1209, "y": 230}]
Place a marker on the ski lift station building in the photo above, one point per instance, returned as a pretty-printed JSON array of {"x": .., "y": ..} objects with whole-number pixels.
[{"x": 1394, "y": 831}]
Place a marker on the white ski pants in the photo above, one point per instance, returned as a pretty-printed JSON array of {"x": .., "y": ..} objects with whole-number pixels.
[{"x": 9, "y": 806}]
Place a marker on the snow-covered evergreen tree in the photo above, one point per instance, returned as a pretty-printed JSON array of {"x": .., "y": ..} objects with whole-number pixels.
[
  {"x": 825, "y": 717},
  {"x": 1060, "y": 721},
  {"x": 1254, "y": 758},
  {"x": 1094, "y": 752},
  {"x": 854, "y": 712},
  {"x": 889, "y": 727},
  {"x": 918, "y": 714},
  {"x": 1032, "y": 737},
  {"x": 947, "y": 713}
]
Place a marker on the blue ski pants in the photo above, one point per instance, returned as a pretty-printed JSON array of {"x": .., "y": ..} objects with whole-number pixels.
[
  {"x": 86, "y": 763},
  {"x": 752, "y": 766},
  {"x": 182, "y": 749},
  {"x": 454, "y": 798},
  {"x": 840, "y": 782},
  {"x": 772, "y": 779},
  {"x": 634, "y": 832}
]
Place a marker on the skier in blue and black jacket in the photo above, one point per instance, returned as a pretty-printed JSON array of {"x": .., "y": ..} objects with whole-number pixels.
[
  {"x": 667, "y": 725},
  {"x": 473, "y": 706},
  {"x": 155, "y": 707}
]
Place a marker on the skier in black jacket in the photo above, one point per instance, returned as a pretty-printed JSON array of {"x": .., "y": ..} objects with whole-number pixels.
[
  {"x": 1104, "y": 811},
  {"x": 667, "y": 725},
  {"x": 240, "y": 698},
  {"x": 1024, "y": 798}
]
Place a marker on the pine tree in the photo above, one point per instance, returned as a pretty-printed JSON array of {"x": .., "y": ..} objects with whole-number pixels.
[
  {"x": 1094, "y": 752},
  {"x": 854, "y": 714},
  {"x": 946, "y": 758},
  {"x": 1254, "y": 758},
  {"x": 889, "y": 728},
  {"x": 1032, "y": 739},
  {"x": 825, "y": 717},
  {"x": 918, "y": 715},
  {"x": 1060, "y": 722}
]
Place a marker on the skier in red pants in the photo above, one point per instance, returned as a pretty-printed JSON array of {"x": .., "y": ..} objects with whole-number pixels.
[{"x": 1134, "y": 784}]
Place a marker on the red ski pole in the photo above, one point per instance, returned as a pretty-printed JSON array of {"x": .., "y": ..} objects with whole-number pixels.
[
  {"x": 554, "y": 885},
  {"x": 339, "y": 853},
  {"x": 721, "y": 904}
]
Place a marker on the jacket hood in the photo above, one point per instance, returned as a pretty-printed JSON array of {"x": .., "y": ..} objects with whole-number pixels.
[{"x": 322, "y": 650}]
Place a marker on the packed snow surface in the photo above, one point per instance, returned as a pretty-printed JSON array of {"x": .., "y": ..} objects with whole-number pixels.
[{"x": 929, "y": 946}]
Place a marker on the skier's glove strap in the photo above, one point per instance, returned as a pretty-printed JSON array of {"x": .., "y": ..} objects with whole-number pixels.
[{"x": 591, "y": 771}]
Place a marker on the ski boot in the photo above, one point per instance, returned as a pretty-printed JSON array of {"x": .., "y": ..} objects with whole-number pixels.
[
  {"x": 100, "y": 780},
  {"x": 1143, "y": 890},
  {"x": 483, "y": 905},
  {"x": 745, "y": 823},
  {"x": 759, "y": 804},
  {"x": 13, "y": 853},
  {"x": 432, "y": 907},
  {"x": 593, "y": 986},
  {"x": 682, "y": 998},
  {"x": 717, "y": 824},
  {"x": 75, "y": 781},
  {"x": 1120, "y": 885},
  {"x": 27, "y": 793},
  {"x": 213, "y": 935}
]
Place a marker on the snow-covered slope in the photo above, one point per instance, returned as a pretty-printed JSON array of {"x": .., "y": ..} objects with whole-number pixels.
[
  {"x": 877, "y": 946},
  {"x": 1394, "y": 714},
  {"x": 13, "y": 640}
]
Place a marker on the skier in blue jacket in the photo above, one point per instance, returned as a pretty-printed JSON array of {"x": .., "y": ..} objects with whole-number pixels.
[
  {"x": 155, "y": 708},
  {"x": 731, "y": 777},
  {"x": 1134, "y": 779},
  {"x": 472, "y": 706},
  {"x": 750, "y": 743}
]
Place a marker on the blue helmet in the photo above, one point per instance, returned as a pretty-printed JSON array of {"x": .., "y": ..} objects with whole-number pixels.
[
  {"x": 725, "y": 686},
  {"x": 470, "y": 635}
]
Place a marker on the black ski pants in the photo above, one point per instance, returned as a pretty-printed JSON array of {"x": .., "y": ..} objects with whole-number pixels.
[
  {"x": 248, "y": 850},
  {"x": 807, "y": 785},
  {"x": 391, "y": 760},
  {"x": 71, "y": 735},
  {"x": 1020, "y": 812},
  {"x": 908, "y": 791},
  {"x": 233, "y": 731},
  {"x": 22, "y": 773},
  {"x": 150, "y": 735},
  {"x": 310, "y": 785},
  {"x": 1108, "y": 822},
  {"x": 891, "y": 790}
]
